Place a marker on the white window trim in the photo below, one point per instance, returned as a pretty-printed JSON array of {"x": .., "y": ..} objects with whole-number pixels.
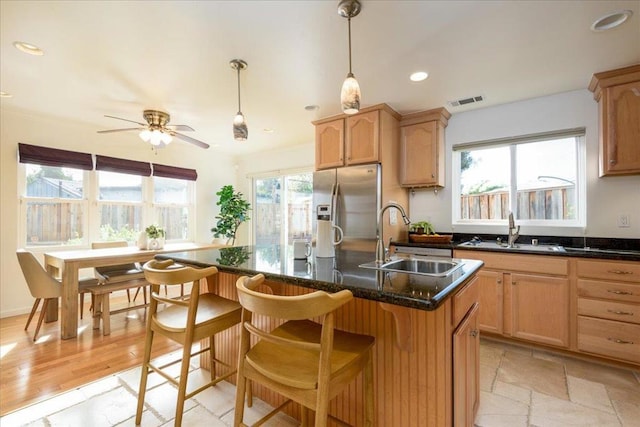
[{"x": 533, "y": 226}]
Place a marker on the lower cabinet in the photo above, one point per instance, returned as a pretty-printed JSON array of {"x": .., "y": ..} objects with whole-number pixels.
[
  {"x": 524, "y": 296},
  {"x": 466, "y": 376},
  {"x": 540, "y": 309},
  {"x": 490, "y": 313},
  {"x": 609, "y": 309}
]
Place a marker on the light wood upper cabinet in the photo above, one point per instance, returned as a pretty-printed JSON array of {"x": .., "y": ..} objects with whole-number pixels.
[
  {"x": 370, "y": 136},
  {"x": 363, "y": 138},
  {"x": 422, "y": 153},
  {"x": 618, "y": 96},
  {"x": 330, "y": 144}
]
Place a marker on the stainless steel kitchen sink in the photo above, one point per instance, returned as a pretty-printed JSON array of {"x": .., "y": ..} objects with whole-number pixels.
[{"x": 427, "y": 267}]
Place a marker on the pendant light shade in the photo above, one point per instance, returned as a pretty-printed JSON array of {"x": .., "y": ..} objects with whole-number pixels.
[
  {"x": 350, "y": 94},
  {"x": 240, "y": 130}
]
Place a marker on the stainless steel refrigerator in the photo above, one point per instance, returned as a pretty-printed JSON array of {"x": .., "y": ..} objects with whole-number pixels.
[{"x": 350, "y": 197}]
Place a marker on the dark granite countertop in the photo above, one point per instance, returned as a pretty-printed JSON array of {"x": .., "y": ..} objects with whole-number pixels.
[
  {"x": 333, "y": 274},
  {"x": 595, "y": 248}
]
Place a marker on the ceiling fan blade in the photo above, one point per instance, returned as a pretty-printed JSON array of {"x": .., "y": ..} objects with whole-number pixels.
[
  {"x": 126, "y": 120},
  {"x": 191, "y": 140},
  {"x": 119, "y": 130},
  {"x": 181, "y": 128}
]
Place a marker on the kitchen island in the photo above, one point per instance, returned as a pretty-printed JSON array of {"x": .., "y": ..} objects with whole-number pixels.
[{"x": 426, "y": 352}]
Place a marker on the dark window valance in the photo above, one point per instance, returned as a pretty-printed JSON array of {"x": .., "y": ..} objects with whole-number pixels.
[
  {"x": 112, "y": 164},
  {"x": 174, "y": 172},
  {"x": 54, "y": 157}
]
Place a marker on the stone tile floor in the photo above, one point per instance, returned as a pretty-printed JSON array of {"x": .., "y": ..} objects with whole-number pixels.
[{"x": 518, "y": 387}]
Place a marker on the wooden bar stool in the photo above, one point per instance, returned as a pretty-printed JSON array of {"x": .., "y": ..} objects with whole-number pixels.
[
  {"x": 200, "y": 316},
  {"x": 304, "y": 361}
]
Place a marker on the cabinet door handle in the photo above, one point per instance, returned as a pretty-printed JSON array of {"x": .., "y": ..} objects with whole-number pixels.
[
  {"x": 619, "y": 341},
  {"x": 614, "y": 291},
  {"x": 499, "y": 281},
  {"x": 514, "y": 283},
  {"x": 625, "y": 313},
  {"x": 619, "y": 272},
  {"x": 474, "y": 333}
]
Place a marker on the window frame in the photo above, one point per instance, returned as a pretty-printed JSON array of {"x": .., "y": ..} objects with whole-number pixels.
[{"x": 534, "y": 225}]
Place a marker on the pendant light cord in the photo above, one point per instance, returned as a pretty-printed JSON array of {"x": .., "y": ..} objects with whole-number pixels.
[
  {"x": 349, "y": 21},
  {"x": 239, "y": 109}
]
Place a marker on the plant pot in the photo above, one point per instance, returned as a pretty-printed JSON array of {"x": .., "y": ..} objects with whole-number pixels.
[{"x": 155, "y": 244}]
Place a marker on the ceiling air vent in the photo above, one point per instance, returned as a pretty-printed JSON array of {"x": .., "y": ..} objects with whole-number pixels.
[{"x": 465, "y": 101}]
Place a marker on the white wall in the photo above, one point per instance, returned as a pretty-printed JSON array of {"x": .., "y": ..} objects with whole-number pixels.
[
  {"x": 214, "y": 171},
  {"x": 607, "y": 197}
]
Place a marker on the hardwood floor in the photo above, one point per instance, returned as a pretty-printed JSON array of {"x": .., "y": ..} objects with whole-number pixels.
[{"x": 31, "y": 372}]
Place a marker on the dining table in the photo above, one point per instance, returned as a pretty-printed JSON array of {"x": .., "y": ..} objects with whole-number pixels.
[{"x": 65, "y": 266}]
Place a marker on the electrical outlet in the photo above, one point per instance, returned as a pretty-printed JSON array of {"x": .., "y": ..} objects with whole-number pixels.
[
  {"x": 624, "y": 221},
  {"x": 393, "y": 215}
]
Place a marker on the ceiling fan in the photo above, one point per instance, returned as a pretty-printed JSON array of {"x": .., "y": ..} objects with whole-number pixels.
[{"x": 157, "y": 131}]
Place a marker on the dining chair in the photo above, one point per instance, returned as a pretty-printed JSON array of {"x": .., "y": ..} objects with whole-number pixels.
[
  {"x": 43, "y": 286},
  {"x": 304, "y": 361},
  {"x": 185, "y": 321},
  {"x": 121, "y": 272}
]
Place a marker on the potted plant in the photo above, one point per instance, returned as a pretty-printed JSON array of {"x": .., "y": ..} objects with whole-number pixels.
[
  {"x": 233, "y": 212},
  {"x": 155, "y": 237},
  {"x": 421, "y": 227}
]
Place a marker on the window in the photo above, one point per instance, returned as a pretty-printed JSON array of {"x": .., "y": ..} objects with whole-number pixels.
[
  {"x": 282, "y": 208},
  {"x": 59, "y": 207},
  {"x": 540, "y": 178},
  {"x": 120, "y": 205},
  {"x": 54, "y": 205},
  {"x": 172, "y": 205}
]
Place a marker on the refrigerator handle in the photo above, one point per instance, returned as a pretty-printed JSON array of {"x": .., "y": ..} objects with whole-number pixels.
[{"x": 334, "y": 203}]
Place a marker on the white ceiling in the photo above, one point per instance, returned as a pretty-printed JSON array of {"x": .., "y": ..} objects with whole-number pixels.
[{"x": 119, "y": 58}]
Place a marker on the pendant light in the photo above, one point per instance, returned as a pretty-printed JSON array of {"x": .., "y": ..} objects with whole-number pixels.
[
  {"x": 240, "y": 131},
  {"x": 350, "y": 94}
]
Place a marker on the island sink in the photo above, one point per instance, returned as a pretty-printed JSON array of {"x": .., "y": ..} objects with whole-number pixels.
[{"x": 428, "y": 267}]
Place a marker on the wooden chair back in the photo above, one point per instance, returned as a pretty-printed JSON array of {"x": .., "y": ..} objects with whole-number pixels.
[
  {"x": 168, "y": 273},
  {"x": 297, "y": 307},
  {"x": 41, "y": 284}
]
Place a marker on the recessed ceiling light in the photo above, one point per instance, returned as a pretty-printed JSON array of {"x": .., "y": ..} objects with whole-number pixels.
[
  {"x": 28, "y": 48},
  {"x": 5, "y": 95},
  {"x": 312, "y": 108},
  {"x": 419, "y": 76},
  {"x": 268, "y": 130},
  {"x": 611, "y": 20}
]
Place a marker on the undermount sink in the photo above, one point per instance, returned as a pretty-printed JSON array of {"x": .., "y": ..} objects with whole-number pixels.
[
  {"x": 428, "y": 267},
  {"x": 516, "y": 247}
]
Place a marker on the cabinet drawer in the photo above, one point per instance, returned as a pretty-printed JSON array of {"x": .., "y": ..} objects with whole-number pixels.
[
  {"x": 609, "y": 310},
  {"x": 464, "y": 300},
  {"x": 514, "y": 262},
  {"x": 618, "y": 271},
  {"x": 624, "y": 292},
  {"x": 609, "y": 338}
]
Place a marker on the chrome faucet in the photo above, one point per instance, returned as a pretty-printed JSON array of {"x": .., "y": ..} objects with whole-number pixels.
[
  {"x": 382, "y": 252},
  {"x": 514, "y": 232}
]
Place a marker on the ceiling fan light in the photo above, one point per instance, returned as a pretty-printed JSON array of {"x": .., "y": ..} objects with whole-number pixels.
[
  {"x": 166, "y": 138},
  {"x": 156, "y": 137},
  {"x": 145, "y": 135},
  {"x": 350, "y": 95}
]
